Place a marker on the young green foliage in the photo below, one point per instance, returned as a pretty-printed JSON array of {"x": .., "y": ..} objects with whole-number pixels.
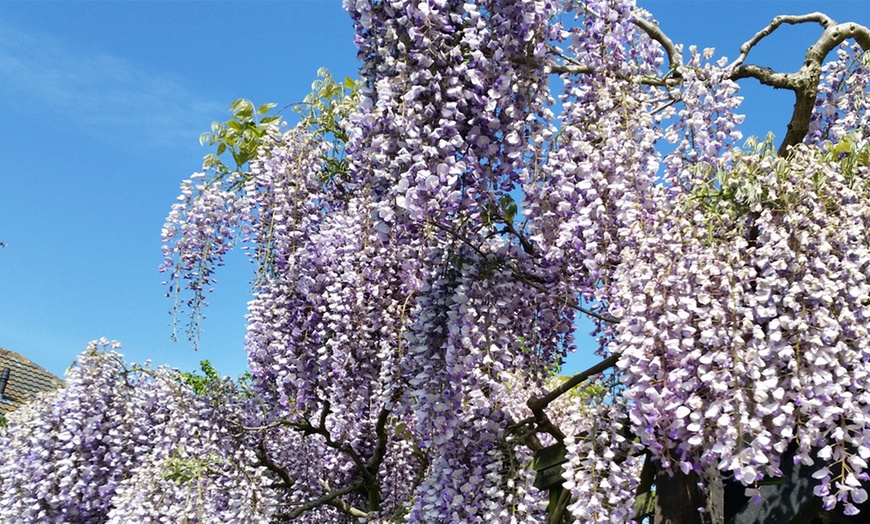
[
  {"x": 201, "y": 383},
  {"x": 239, "y": 135}
]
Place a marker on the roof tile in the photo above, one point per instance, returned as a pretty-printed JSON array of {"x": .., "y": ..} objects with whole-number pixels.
[{"x": 26, "y": 380}]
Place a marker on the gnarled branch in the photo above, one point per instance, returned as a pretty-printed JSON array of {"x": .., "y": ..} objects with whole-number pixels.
[
  {"x": 264, "y": 461},
  {"x": 820, "y": 18},
  {"x": 539, "y": 420},
  {"x": 805, "y": 81}
]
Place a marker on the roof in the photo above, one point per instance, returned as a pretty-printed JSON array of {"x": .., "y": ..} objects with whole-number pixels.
[{"x": 26, "y": 380}]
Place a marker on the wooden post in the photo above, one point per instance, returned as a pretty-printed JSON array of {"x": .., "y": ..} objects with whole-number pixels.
[{"x": 678, "y": 499}]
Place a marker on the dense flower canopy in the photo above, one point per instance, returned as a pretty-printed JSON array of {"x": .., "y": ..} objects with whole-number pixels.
[{"x": 425, "y": 240}]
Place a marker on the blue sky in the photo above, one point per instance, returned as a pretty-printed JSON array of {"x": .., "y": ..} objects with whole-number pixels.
[{"x": 102, "y": 106}]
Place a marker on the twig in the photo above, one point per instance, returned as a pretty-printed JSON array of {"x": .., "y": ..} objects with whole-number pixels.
[
  {"x": 271, "y": 425},
  {"x": 529, "y": 281},
  {"x": 585, "y": 70},
  {"x": 421, "y": 471},
  {"x": 654, "y": 32},
  {"x": 347, "y": 508},
  {"x": 561, "y": 69},
  {"x": 457, "y": 236},
  {"x": 524, "y": 242}
]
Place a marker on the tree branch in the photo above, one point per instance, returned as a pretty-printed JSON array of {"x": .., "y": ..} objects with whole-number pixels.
[
  {"x": 265, "y": 461},
  {"x": 330, "y": 499},
  {"x": 585, "y": 70},
  {"x": 805, "y": 81},
  {"x": 747, "y": 46},
  {"x": 366, "y": 480},
  {"x": 537, "y": 404},
  {"x": 655, "y": 32},
  {"x": 562, "y": 69},
  {"x": 524, "y": 242},
  {"x": 529, "y": 281},
  {"x": 373, "y": 489},
  {"x": 309, "y": 429},
  {"x": 421, "y": 471},
  {"x": 347, "y": 508},
  {"x": 765, "y": 75}
]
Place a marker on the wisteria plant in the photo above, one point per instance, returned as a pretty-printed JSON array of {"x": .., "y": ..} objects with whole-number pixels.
[{"x": 425, "y": 240}]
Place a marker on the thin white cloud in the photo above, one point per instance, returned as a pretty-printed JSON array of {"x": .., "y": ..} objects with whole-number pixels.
[{"x": 102, "y": 95}]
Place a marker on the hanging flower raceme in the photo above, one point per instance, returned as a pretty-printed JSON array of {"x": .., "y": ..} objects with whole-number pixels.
[
  {"x": 596, "y": 185},
  {"x": 120, "y": 443},
  {"x": 454, "y": 97},
  {"x": 403, "y": 288},
  {"x": 325, "y": 335},
  {"x": 200, "y": 230},
  {"x": 749, "y": 332},
  {"x": 841, "y": 105}
]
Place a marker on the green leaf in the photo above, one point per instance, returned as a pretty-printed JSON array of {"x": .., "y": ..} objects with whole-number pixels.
[
  {"x": 235, "y": 125},
  {"x": 203, "y": 138},
  {"x": 242, "y": 109},
  {"x": 222, "y": 147},
  {"x": 265, "y": 108},
  {"x": 510, "y": 212},
  {"x": 266, "y": 120},
  {"x": 508, "y": 208},
  {"x": 349, "y": 83}
]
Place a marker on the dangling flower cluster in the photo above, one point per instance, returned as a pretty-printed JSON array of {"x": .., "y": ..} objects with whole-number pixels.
[
  {"x": 842, "y": 103},
  {"x": 200, "y": 230},
  {"x": 597, "y": 182},
  {"x": 453, "y": 114},
  {"x": 604, "y": 463},
  {"x": 706, "y": 130},
  {"x": 64, "y": 455},
  {"x": 400, "y": 296},
  {"x": 603, "y": 468},
  {"x": 749, "y": 332},
  {"x": 455, "y": 91},
  {"x": 325, "y": 333},
  {"x": 480, "y": 478},
  {"x": 120, "y": 444}
]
